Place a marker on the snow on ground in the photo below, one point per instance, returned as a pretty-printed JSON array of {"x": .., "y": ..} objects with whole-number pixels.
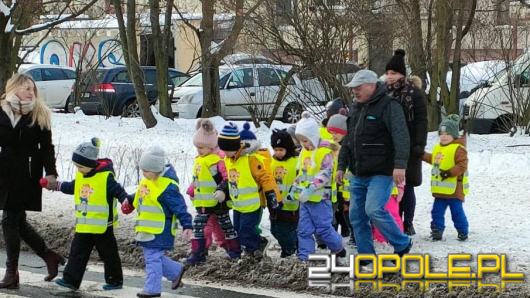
[{"x": 497, "y": 207}]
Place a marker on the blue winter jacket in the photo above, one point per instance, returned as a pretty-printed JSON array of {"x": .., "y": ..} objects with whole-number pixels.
[{"x": 173, "y": 203}]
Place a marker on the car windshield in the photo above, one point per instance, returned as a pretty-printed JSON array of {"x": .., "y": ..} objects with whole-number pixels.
[{"x": 196, "y": 80}]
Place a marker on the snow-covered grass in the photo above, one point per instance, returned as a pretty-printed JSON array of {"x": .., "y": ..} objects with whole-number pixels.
[{"x": 497, "y": 207}]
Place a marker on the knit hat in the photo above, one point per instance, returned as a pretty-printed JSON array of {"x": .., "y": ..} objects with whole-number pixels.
[
  {"x": 248, "y": 138},
  {"x": 229, "y": 138},
  {"x": 450, "y": 125},
  {"x": 309, "y": 128},
  {"x": 86, "y": 154},
  {"x": 397, "y": 62},
  {"x": 338, "y": 123},
  {"x": 280, "y": 138},
  {"x": 205, "y": 134},
  {"x": 333, "y": 107},
  {"x": 153, "y": 160}
]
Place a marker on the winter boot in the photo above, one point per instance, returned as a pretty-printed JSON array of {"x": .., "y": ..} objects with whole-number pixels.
[
  {"x": 233, "y": 248},
  {"x": 197, "y": 252},
  {"x": 52, "y": 260},
  {"x": 462, "y": 236},
  {"x": 178, "y": 282},
  {"x": 404, "y": 251},
  {"x": 10, "y": 280},
  {"x": 436, "y": 234},
  {"x": 409, "y": 229}
]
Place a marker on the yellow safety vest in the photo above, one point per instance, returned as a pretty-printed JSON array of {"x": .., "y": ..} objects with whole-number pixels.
[
  {"x": 150, "y": 216},
  {"x": 91, "y": 206},
  {"x": 285, "y": 173},
  {"x": 345, "y": 187},
  {"x": 205, "y": 184},
  {"x": 309, "y": 164},
  {"x": 243, "y": 189},
  {"x": 325, "y": 135},
  {"x": 443, "y": 158}
]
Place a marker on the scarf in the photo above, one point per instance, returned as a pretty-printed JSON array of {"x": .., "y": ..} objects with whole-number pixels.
[
  {"x": 16, "y": 108},
  {"x": 402, "y": 91}
]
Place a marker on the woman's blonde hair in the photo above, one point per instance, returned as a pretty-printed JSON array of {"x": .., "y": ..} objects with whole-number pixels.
[{"x": 41, "y": 114}]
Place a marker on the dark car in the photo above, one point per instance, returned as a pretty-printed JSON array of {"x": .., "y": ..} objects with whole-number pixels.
[{"x": 109, "y": 91}]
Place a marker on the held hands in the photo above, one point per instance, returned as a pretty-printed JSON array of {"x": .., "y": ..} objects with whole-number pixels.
[
  {"x": 126, "y": 207},
  {"x": 50, "y": 183},
  {"x": 186, "y": 235},
  {"x": 339, "y": 177},
  {"x": 399, "y": 176},
  {"x": 219, "y": 195},
  {"x": 306, "y": 193}
]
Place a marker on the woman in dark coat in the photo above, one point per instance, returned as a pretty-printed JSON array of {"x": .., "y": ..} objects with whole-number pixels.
[
  {"x": 25, "y": 150},
  {"x": 409, "y": 93}
]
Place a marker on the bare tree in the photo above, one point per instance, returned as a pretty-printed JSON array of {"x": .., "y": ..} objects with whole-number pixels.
[
  {"x": 17, "y": 21},
  {"x": 211, "y": 57},
  {"x": 129, "y": 42}
]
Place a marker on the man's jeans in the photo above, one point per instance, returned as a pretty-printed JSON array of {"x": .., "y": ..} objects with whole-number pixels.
[{"x": 369, "y": 196}]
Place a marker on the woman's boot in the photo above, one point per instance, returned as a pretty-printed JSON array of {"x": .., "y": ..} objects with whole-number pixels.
[
  {"x": 52, "y": 260},
  {"x": 10, "y": 280}
]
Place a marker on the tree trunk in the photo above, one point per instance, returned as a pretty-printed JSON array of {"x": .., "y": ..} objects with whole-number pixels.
[
  {"x": 451, "y": 102},
  {"x": 129, "y": 45},
  {"x": 379, "y": 44},
  {"x": 209, "y": 62},
  {"x": 417, "y": 59},
  {"x": 160, "y": 48}
]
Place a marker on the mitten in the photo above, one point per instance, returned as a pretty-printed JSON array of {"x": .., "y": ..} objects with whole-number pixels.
[
  {"x": 219, "y": 195},
  {"x": 272, "y": 201},
  {"x": 445, "y": 174},
  {"x": 191, "y": 190},
  {"x": 126, "y": 207},
  {"x": 52, "y": 182}
]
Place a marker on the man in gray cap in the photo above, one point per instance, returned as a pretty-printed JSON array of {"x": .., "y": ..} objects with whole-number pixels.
[{"x": 376, "y": 151}]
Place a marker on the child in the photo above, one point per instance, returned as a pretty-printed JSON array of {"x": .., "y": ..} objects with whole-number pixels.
[
  {"x": 158, "y": 203},
  {"x": 247, "y": 177},
  {"x": 338, "y": 128},
  {"x": 208, "y": 172},
  {"x": 449, "y": 181},
  {"x": 312, "y": 188},
  {"x": 285, "y": 220},
  {"x": 94, "y": 190},
  {"x": 393, "y": 208}
]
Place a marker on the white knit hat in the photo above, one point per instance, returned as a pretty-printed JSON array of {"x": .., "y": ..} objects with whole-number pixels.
[
  {"x": 153, "y": 160},
  {"x": 309, "y": 128}
]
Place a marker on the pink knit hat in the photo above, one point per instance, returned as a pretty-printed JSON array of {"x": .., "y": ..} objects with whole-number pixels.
[{"x": 205, "y": 134}]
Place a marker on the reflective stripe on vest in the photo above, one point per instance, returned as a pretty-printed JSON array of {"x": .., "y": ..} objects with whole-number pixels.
[
  {"x": 150, "y": 214},
  {"x": 443, "y": 159},
  {"x": 204, "y": 183},
  {"x": 285, "y": 173},
  {"x": 91, "y": 206},
  {"x": 242, "y": 187},
  {"x": 309, "y": 165}
]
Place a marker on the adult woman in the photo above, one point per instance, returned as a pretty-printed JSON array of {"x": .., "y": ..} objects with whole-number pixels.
[
  {"x": 25, "y": 150},
  {"x": 407, "y": 91}
]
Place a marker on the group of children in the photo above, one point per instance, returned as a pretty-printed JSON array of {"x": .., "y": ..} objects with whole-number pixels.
[{"x": 233, "y": 172}]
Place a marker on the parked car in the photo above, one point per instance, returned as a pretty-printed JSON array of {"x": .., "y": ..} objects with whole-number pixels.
[
  {"x": 244, "y": 87},
  {"x": 110, "y": 91},
  {"x": 53, "y": 81},
  {"x": 489, "y": 108}
]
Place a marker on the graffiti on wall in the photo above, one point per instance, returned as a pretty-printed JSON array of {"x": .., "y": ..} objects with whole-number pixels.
[{"x": 107, "y": 53}]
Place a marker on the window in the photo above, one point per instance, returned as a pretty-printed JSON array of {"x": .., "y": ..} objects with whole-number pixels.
[
  {"x": 268, "y": 77},
  {"x": 52, "y": 74},
  {"x": 36, "y": 75},
  {"x": 122, "y": 77},
  {"x": 150, "y": 77},
  {"x": 242, "y": 78},
  {"x": 176, "y": 78},
  {"x": 70, "y": 74},
  {"x": 283, "y": 75}
]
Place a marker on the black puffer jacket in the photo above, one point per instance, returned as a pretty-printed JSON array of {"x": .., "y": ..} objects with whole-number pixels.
[{"x": 24, "y": 153}]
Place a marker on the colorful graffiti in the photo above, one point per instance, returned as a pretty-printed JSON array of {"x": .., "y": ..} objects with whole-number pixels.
[{"x": 107, "y": 53}]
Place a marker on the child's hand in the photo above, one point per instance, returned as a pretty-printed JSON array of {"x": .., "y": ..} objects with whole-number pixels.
[
  {"x": 339, "y": 177},
  {"x": 308, "y": 191},
  {"x": 445, "y": 174},
  {"x": 186, "y": 234},
  {"x": 219, "y": 195},
  {"x": 126, "y": 207},
  {"x": 191, "y": 190}
]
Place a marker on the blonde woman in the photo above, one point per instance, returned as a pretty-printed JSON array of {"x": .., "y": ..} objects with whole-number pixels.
[{"x": 25, "y": 150}]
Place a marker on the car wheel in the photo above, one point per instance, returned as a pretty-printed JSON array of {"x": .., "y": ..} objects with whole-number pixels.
[
  {"x": 502, "y": 124},
  {"x": 292, "y": 113},
  {"x": 69, "y": 105},
  {"x": 132, "y": 109}
]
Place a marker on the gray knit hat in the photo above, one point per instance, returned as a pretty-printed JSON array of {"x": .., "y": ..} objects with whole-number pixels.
[
  {"x": 153, "y": 160},
  {"x": 338, "y": 124},
  {"x": 86, "y": 154},
  {"x": 451, "y": 126}
]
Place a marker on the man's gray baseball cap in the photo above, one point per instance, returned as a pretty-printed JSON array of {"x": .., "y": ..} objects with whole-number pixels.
[{"x": 363, "y": 76}]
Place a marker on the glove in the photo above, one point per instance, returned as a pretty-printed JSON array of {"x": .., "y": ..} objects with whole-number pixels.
[
  {"x": 304, "y": 196},
  {"x": 272, "y": 201},
  {"x": 445, "y": 174},
  {"x": 219, "y": 195},
  {"x": 126, "y": 207},
  {"x": 191, "y": 191},
  {"x": 52, "y": 182}
]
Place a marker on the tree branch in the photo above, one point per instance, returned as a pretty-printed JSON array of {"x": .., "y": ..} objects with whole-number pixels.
[
  {"x": 41, "y": 27},
  {"x": 186, "y": 21},
  {"x": 470, "y": 18}
]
